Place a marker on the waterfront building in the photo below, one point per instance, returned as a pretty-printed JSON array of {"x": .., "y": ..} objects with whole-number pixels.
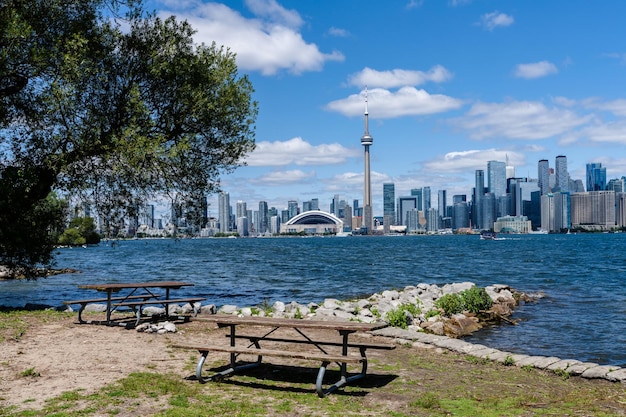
[
  {"x": 242, "y": 209},
  {"x": 284, "y": 216},
  {"x": 562, "y": 216},
  {"x": 366, "y": 141},
  {"x": 263, "y": 217},
  {"x": 224, "y": 212},
  {"x": 620, "y": 209},
  {"x": 543, "y": 176},
  {"x": 347, "y": 218},
  {"x": 389, "y": 204},
  {"x": 460, "y": 216},
  {"x": 488, "y": 204},
  {"x": 496, "y": 178},
  {"x": 442, "y": 205},
  {"x": 512, "y": 224},
  {"x": 593, "y": 210},
  {"x": 313, "y": 222},
  {"x": 616, "y": 184},
  {"x": 477, "y": 197},
  {"x": 561, "y": 174},
  {"x": 596, "y": 177},
  {"x": 242, "y": 226},
  {"x": 547, "y": 212},
  {"x": 419, "y": 194},
  {"x": 405, "y": 205},
  {"x": 432, "y": 220},
  {"x": 426, "y": 199},
  {"x": 274, "y": 226},
  {"x": 412, "y": 220},
  {"x": 293, "y": 209}
]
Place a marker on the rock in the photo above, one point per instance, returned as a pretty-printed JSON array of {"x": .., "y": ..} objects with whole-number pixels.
[
  {"x": 391, "y": 295},
  {"x": 279, "y": 307},
  {"x": 228, "y": 309},
  {"x": 169, "y": 327},
  {"x": 153, "y": 311},
  {"x": 95, "y": 308},
  {"x": 208, "y": 309}
]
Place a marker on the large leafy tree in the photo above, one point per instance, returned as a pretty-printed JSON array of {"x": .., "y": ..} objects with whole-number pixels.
[{"x": 117, "y": 114}]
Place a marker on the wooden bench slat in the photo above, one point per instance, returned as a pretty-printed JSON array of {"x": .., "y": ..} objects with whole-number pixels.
[
  {"x": 364, "y": 345},
  {"x": 279, "y": 353},
  {"x": 158, "y": 301},
  {"x": 104, "y": 300}
]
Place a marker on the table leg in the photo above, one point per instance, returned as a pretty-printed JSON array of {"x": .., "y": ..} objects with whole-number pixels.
[{"x": 108, "y": 306}]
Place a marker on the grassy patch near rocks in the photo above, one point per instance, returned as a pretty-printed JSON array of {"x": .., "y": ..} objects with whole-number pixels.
[{"x": 408, "y": 381}]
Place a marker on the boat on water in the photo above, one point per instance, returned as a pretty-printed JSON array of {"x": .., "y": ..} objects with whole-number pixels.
[{"x": 488, "y": 235}]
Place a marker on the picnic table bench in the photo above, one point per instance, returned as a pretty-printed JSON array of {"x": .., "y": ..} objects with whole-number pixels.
[
  {"x": 134, "y": 300},
  {"x": 321, "y": 353}
]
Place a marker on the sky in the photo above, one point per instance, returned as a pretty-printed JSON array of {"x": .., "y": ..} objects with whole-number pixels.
[{"x": 450, "y": 84}]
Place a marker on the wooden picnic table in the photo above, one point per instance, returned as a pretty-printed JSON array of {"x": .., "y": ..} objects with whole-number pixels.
[
  {"x": 272, "y": 333},
  {"x": 134, "y": 295}
]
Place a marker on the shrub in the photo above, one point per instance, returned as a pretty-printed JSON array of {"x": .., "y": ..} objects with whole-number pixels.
[
  {"x": 397, "y": 317},
  {"x": 476, "y": 300},
  {"x": 450, "y": 304}
]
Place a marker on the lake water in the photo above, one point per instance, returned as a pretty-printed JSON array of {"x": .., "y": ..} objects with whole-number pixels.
[{"x": 583, "y": 277}]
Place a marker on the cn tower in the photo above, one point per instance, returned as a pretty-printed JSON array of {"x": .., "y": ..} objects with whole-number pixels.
[{"x": 366, "y": 141}]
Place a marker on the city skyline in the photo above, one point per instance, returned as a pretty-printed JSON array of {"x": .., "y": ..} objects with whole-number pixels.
[{"x": 450, "y": 84}]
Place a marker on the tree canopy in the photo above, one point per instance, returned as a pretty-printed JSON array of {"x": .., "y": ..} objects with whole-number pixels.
[{"x": 116, "y": 109}]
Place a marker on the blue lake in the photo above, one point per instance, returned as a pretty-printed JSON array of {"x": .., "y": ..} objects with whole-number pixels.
[{"x": 583, "y": 277}]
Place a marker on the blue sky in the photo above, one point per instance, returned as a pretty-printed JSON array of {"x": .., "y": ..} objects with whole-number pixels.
[{"x": 451, "y": 85}]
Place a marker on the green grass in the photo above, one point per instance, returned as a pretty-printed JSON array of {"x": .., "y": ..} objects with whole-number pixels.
[{"x": 404, "y": 382}]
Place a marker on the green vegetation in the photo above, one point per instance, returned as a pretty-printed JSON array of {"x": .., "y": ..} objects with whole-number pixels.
[
  {"x": 407, "y": 381},
  {"x": 81, "y": 231},
  {"x": 474, "y": 300},
  {"x": 450, "y": 304},
  {"x": 398, "y": 316},
  {"x": 113, "y": 106}
]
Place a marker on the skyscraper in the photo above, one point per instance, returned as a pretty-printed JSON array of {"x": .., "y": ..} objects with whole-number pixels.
[
  {"x": 366, "y": 141},
  {"x": 419, "y": 193},
  {"x": 596, "y": 177},
  {"x": 479, "y": 192},
  {"x": 426, "y": 199},
  {"x": 562, "y": 176},
  {"x": 224, "y": 212},
  {"x": 389, "y": 203},
  {"x": 442, "y": 204},
  {"x": 496, "y": 178},
  {"x": 543, "y": 174},
  {"x": 264, "y": 218}
]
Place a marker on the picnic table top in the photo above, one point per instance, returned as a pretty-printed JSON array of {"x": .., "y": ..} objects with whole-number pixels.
[
  {"x": 119, "y": 285},
  {"x": 344, "y": 326}
]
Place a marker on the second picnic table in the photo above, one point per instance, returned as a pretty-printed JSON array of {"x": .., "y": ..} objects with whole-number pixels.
[
  {"x": 273, "y": 325},
  {"x": 137, "y": 295}
]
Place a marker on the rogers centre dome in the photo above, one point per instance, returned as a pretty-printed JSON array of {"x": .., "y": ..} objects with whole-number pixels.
[{"x": 313, "y": 222}]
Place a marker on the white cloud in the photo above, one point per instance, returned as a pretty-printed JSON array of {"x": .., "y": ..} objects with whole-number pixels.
[
  {"x": 274, "y": 12},
  {"x": 617, "y": 107},
  {"x": 299, "y": 152},
  {"x": 492, "y": 20},
  {"x": 398, "y": 77},
  {"x": 338, "y": 32},
  {"x": 384, "y": 104},
  {"x": 470, "y": 160},
  {"x": 269, "y": 43},
  {"x": 518, "y": 120},
  {"x": 614, "y": 132},
  {"x": 277, "y": 178},
  {"x": 535, "y": 70},
  {"x": 414, "y": 4}
]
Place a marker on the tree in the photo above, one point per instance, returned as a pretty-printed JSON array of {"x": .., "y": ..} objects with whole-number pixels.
[
  {"x": 81, "y": 231},
  {"x": 118, "y": 117}
]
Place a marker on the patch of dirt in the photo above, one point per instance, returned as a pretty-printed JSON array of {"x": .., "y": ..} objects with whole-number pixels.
[{"x": 56, "y": 356}]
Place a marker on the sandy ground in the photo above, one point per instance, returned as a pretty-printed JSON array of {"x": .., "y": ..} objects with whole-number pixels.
[{"x": 70, "y": 356}]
